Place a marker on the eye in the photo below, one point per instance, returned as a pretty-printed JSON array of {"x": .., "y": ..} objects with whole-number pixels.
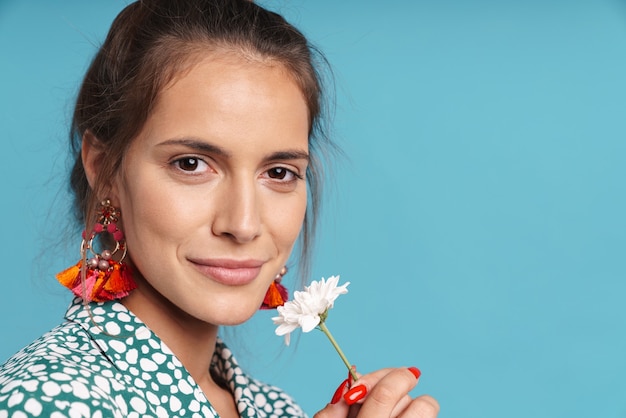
[
  {"x": 278, "y": 173},
  {"x": 283, "y": 174},
  {"x": 282, "y": 179},
  {"x": 191, "y": 164}
]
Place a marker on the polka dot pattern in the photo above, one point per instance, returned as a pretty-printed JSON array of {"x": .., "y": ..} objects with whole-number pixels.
[{"x": 104, "y": 362}]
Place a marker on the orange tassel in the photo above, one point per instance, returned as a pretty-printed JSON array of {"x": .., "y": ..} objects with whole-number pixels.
[
  {"x": 69, "y": 276},
  {"x": 276, "y": 296},
  {"x": 120, "y": 280},
  {"x": 97, "y": 279},
  {"x": 100, "y": 286}
]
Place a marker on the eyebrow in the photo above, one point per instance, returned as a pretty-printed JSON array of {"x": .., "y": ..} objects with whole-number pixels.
[
  {"x": 288, "y": 155},
  {"x": 206, "y": 147},
  {"x": 197, "y": 145}
]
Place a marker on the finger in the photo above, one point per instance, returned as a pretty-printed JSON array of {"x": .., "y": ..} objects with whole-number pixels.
[
  {"x": 338, "y": 410},
  {"x": 406, "y": 400},
  {"x": 354, "y": 411},
  {"x": 338, "y": 406},
  {"x": 375, "y": 376},
  {"x": 358, "y": 389},
  {"x": 372, "y": 378},
  {"x": 421, "y": 407},
  {"x": 341, "y": 391},
  {"x": 386, "y": 396},
  {"x": 332, "y": 409},
  {"x": 401, "y": 406}
]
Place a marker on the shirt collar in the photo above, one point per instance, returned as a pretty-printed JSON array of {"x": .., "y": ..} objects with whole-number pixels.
[{"x": 143, "y": 359}]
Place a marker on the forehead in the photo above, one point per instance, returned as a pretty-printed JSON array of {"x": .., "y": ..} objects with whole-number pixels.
[
  {"x": 228, "y": 95},
  {"x": 211, "y": 64}
]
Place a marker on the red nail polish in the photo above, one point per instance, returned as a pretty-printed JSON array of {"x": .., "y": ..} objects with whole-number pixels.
[
  {"x": 416, "y": 372},
  {"x": 337, "y": 396},
  {"x": 355, "y": 394}
]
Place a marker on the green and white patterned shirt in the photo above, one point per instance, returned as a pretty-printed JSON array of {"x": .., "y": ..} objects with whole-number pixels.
[{"x": 109, "y": 364}]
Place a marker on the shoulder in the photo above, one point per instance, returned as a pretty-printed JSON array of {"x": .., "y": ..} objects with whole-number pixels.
[
  {"x": 63, "y": 370},
  {"x": 274, "y": 401}
]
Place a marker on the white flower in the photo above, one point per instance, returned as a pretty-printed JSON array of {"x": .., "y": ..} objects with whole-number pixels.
[{"x": 309, "y": 307}]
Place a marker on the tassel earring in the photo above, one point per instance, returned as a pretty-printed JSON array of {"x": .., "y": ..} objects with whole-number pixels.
[
  {"x": 277, "y": 294},
  {"x": 104, "y": 276}
]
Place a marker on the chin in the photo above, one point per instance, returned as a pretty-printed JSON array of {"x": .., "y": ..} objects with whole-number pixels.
[
  {"x": 229, "y": 314},
  {"x": 231, "y": 320}
]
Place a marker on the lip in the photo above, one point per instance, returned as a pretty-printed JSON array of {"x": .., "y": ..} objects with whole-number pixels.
[{"x": 229, "y": 272}]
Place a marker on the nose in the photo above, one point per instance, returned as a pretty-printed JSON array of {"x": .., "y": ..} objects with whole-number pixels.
[{"x": 238, "y": 213}]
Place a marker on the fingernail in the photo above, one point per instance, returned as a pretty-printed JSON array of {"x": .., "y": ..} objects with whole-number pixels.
[
  {"x": 416, "y": 372},
  {"x": 337, "y": 396},
  {"x": 355, "y": 394}
]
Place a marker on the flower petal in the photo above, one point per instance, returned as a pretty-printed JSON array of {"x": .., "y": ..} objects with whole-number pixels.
[
  {"x": 305, "y": 308},
  {"x": 309, "y": 322},
  {"x": 283, "y": 329}
]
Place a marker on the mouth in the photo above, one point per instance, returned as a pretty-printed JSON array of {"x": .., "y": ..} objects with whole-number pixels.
[{"x": 229, "y": 272}]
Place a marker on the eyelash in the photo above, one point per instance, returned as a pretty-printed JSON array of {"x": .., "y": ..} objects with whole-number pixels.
[{"x": 196, "y": 161}]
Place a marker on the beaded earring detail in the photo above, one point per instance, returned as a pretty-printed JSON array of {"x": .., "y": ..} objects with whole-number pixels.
[
  {"x": 101, "y": 277},
  {"x": 277, "y": 294}
]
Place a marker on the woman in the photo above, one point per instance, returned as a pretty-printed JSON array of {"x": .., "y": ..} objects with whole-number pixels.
[{"x": 196, "y": 134}]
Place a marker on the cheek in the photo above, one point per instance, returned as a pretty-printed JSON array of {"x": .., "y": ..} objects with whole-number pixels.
[
  {"x": 288, "y": 220},
  {"x": 151, "y": 216}
]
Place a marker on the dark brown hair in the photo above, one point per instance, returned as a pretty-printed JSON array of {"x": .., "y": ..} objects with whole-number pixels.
[{"x": 152, "y": 41}]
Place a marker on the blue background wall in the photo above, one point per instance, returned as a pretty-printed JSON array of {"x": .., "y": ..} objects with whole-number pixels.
[{"x": 479, "y": 214}]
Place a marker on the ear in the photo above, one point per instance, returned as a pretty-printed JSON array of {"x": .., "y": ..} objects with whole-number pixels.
[{"x": 91, "y": 154}]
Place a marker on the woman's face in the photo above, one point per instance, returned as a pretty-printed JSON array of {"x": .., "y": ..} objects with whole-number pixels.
[{"x": 213, "y": 190}]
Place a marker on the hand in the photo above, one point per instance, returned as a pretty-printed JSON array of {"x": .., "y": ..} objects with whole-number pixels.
[{"x": 383, "y": 393}]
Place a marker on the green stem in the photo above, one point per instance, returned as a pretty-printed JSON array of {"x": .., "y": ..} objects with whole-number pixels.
[{"x": 324, "y": 329}]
